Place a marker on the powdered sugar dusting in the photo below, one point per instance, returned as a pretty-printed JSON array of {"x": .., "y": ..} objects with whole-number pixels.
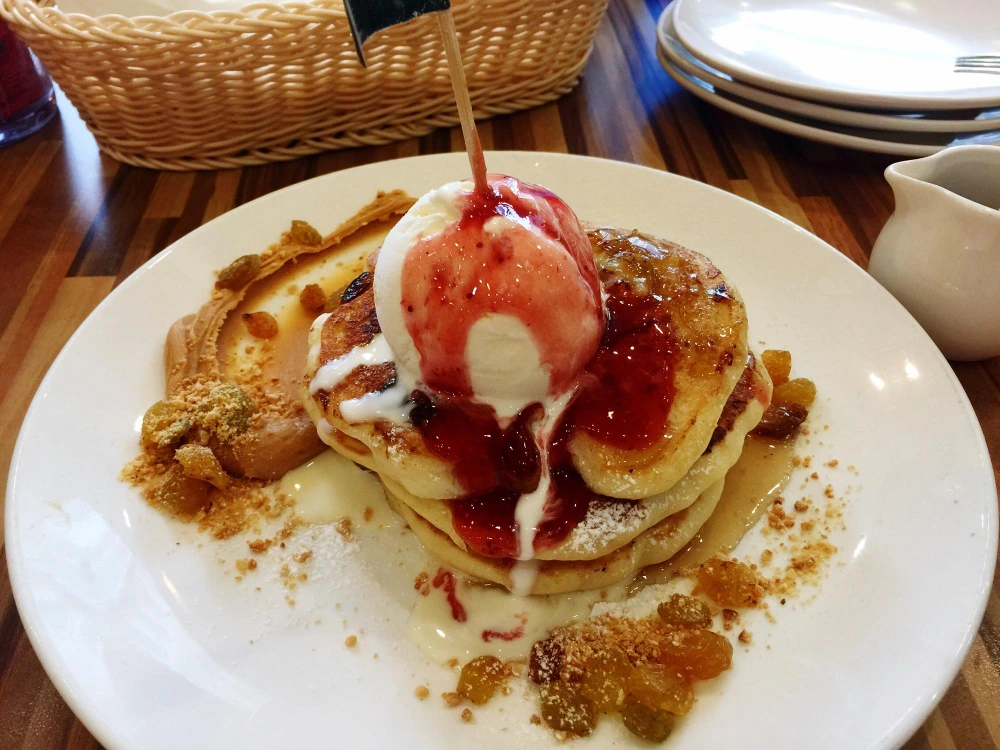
[{"x": 606, "y": 519}]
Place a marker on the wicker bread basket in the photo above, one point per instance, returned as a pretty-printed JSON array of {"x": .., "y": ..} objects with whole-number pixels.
[{"x": 274, "y": 82}]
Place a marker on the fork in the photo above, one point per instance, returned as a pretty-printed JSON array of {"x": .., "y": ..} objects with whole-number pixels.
[{"x": 978, "y": 64}]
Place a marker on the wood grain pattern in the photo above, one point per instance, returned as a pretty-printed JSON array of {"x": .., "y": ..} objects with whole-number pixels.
[{"x": 74, "y": 223}]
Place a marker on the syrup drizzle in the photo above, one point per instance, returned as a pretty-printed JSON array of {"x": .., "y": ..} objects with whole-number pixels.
[
  {"x": 512, "y": 634},
  {"x": 446, "y": 581},
  {"x": 624, "y": 400}
]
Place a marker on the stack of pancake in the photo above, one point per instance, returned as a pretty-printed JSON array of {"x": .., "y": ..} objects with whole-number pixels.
[{"x": 647, "y": 503}]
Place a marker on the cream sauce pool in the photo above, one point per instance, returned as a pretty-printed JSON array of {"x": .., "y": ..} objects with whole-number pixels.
[{"x": 491, "y": 620}]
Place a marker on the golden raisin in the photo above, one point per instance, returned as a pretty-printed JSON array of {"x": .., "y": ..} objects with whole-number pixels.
[
  {"x": 604, "y": 678},
  {"x": 312, "y": 298},
  {"x": 778, "y": 364},
  {"x": 239, "y": 273},
  {"x": 199, "y": 462},
  {"x": 303, "y": 233},
  {"x": 545, "y": 662},
  {"x": 655, "y": 695},
  {"x": 182, "y": 494},
  {"x": 661, "y": 686},
  {"x": 226, "y": 411},
  {"x": 729, "y": 583},
  {"x": 261, "y": 325},
  {"x": 164, "y": 424},
  {"x": 781, "y": 421},
  {"x": 801, "y": 391},
  {"x": 566, "y": 709},
  {"x": 646, "y": 722},
  {"x": 701, "y": 654},
  {"x": 481, "y": 678},
  {"x": 681, "y": 611}
]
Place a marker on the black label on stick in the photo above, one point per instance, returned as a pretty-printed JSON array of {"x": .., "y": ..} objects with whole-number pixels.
[{"x": 370, "y": 16}]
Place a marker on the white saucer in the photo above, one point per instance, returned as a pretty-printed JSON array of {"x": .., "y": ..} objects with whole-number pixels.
[
  {"x": 155, "y": 648},
  {"x": 671, "y": 44},
  {"x": 880, "y": 53},
  {"x": 863, "y": 139}
]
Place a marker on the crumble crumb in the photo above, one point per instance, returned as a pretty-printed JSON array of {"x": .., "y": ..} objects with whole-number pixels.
[
  {"x": 422, "y": 583},
  {"x": 302, "y": 556},
  {"x": 345, "y": 529},
  {"x": 367, "y": 515},
  {"x": 745, "y": 636},
  {"x": 451, "y": 699},
  {"x": 467, "y": 716},
  {"x": 422, "y": 692},
  {"x": 535, "y": 719},
  {"x": 777, "y": 519},
  {"x": 351, "y": 641},
  {"x": 516, "y": 668}
]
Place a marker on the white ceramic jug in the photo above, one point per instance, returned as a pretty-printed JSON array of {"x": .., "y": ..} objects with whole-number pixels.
[{"x": 939, "y": 253}]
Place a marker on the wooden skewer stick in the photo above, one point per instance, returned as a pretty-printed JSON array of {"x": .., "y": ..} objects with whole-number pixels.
[{"x": 446, "y": 24}]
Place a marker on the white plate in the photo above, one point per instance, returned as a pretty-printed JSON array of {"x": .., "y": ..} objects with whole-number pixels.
[
  {"x": 863, "y": 139},
  {"x": 149, "y": 642},
  {"x": 674, "y": 49},
  {"x": 880, "y": 53}
]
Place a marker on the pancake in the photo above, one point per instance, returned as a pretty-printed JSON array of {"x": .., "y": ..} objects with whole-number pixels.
[
  {"x": 396, "y": 452},
  {"x": 613, "y": 523},
  {"x": 656, "y": 545},
  {"x": 709, "y": 326}
]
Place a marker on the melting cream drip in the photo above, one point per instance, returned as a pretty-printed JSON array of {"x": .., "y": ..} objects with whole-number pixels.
[
  {"x": 390, "y": 404},
  {"x": 530, "y": 509},
  {"x": 375, "y": 352}
]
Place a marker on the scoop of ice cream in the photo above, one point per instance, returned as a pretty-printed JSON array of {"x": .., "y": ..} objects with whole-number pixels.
[{"x": 493, "y": 296}]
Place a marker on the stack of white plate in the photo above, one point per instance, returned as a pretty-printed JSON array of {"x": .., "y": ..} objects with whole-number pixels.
[{"x": 878, "y": 75}]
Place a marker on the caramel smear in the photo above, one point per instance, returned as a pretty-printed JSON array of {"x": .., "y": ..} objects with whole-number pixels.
[{"x": 229, "y": 449}]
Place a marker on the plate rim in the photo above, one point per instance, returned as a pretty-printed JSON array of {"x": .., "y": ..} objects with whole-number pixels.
[
  {"x": 113, "y": 739},
  {"x": 831, "y": 94},
  {"x": 803, "y": 107},
  {"x": 691, "y": 83}
]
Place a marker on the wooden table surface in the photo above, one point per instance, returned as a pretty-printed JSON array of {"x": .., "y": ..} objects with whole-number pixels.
[{"x": 74, "y": 223}]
